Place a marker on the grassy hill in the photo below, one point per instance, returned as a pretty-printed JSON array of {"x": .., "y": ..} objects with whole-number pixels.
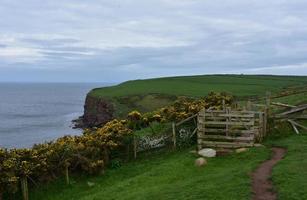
[
  {"x": 197, "y": 86},
  {"x": 150, "y": 94}
]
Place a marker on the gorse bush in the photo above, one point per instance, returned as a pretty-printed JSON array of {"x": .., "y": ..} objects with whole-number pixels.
[{"x": 90, "y": 152}]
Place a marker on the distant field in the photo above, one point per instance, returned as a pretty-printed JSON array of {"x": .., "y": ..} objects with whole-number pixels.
[{"x": 238, "y": 85}]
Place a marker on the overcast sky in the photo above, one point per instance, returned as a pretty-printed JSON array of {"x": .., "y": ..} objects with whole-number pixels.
[{"x": 117, "y": 40}]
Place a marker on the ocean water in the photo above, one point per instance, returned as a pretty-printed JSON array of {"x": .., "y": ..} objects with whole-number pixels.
[{"x": 36, "y": 112}]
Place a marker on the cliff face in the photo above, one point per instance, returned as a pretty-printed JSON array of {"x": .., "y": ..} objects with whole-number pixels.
[{"x": 97, "y": 111}]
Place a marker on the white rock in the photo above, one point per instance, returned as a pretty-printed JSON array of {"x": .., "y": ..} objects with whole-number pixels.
[
  {"x": 199, "y": 162},
  {"x": 207, "y": 152}
]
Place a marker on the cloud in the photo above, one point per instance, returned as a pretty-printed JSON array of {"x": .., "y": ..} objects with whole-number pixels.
[
  {"x": 294, "y": 69},
  {"x": 136, "y": 39}
]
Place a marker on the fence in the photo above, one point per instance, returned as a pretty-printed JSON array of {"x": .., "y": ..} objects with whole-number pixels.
[{"x": 230, "y": 128}]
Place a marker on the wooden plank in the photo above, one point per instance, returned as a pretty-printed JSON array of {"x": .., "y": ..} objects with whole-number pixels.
[
  {"x": 238, "y": 115},
  {"x": 221, "y": 137},
  {"x": 227, "y": 144},
  {"x": 195, "y": 130},
  {"x": 243, "y": 112},
  {"x": 134, "y": 147},
  {"x": 232, "y": 115},
  {"x": 213, "y": 130},
  {"x": 227, "y": 119},
  {"x": 229, "y": 123},
  {"x": 174, "y": 134},
  {"x": 294, "y": 127},
  {"x": 259, "y": 105},
  {"x": 199, "y": 141},
  {"x": 261, "y": 129},
  {"x": 297, "y": 124},
  {"x": 249, "y": 105},
  {"x": 265, "y": 122},
  {"x": 294, "y": 110},
  {"x": 282, "y": 105},
  {"x": 187, "y": 119},
  {"x": 300, "y": 117}
]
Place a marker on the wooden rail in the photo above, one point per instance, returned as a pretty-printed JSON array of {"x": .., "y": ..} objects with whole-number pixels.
[{"x": 229, "y": 128}]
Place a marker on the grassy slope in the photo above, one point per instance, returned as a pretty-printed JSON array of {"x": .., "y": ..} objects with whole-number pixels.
[
  {"x": 150, "y": 94},
  {"x": 166, "y": 176},
  {"x": 173, "y": 176},
  {"x": 239, "y": 85}
]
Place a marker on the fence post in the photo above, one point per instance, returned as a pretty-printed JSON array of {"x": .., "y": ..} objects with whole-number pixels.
[
  {"x": 199, "y": 129},
  {"x": 268, "y": 99},
  {"x": 106, "y": 157},
  {"x": 267, "y": 111},
  {"x": 249, "y": 105},
  {"x": 174, "y": 134},
  {"x": 227, "y": 120},
  {"x": 24, "y": 188},
  {"x": 261, "y": 127},
  {"x": 128, "y": 151},
  {"x": 67, "y": 173},
  {"x": 134, "y": 146}
]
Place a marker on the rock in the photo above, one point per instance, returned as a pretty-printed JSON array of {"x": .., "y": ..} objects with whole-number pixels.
[
  {"x": 97, "y": 111},
  {"x": 207, "y": 152},
  {"x": 258, "y": 145},
  {"x": 199, "y": 162},
  {"x": 90, "y": 184},
  {"x": 240, "y": 150}
]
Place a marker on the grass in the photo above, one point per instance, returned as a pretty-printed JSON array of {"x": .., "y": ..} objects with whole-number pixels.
[
  {"x": 293, "y": 99},
  {"x": 170, "y": 175},
  {"x": 151, "y": 94},
  {"x": 155, "y": 128},
  {"x": 142, "y": 103},
  {"x": 290, "y": 175},
  {"x": 197, "y": 86}
]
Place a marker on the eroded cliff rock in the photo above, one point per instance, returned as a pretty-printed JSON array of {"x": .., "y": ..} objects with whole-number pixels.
[{"x": 97, "y": 111}]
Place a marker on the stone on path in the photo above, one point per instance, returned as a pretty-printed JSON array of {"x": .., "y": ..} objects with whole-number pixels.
[{"x": 199, "y": 162}]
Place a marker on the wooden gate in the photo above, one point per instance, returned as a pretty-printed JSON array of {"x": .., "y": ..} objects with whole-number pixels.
[{"x": 229, "y": 128}]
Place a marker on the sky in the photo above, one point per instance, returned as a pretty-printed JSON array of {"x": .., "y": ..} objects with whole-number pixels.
[{"x": 118, "y": 40}]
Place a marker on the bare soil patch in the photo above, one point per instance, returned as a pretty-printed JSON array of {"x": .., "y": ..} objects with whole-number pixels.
[{"x": 262, "y": 186}]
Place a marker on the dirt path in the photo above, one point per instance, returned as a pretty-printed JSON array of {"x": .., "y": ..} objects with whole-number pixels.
[{"x": 262, "y": 186}]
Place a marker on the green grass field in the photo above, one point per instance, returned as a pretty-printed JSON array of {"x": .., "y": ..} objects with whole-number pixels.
[
  {"x": 290, "y": 175},
  {"x": 197, "y": 86},
  {"x": 169, "y": 175},
  {"x": 172, "y": 175},
  {"x": 150, "y": 94}
]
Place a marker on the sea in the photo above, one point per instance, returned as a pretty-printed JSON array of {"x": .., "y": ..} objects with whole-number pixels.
[{"x": 32, "y": 113}]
